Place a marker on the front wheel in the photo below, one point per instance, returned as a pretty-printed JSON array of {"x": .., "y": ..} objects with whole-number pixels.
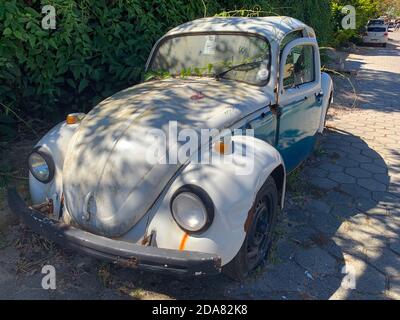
[{"x": 259, "y": 227}]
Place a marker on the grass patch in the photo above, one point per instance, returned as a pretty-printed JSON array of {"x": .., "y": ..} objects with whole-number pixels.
[{"x": 105, "y": 275}]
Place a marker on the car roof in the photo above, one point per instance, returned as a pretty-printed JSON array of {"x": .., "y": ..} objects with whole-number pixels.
[{"x": 272, "y": 28}]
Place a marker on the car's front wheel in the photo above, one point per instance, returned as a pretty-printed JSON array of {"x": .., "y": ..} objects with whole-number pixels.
[{"x": 259, "y": 227}]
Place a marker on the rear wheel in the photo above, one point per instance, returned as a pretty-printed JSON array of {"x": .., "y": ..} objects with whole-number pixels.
[{"x": 259, "y": 226}]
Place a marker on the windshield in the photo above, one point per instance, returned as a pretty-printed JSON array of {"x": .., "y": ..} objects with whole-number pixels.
[{"x": 211, "y": 54}]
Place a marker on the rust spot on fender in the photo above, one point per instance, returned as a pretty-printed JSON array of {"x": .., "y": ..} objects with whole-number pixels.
[{"x": 249, "y": 219}]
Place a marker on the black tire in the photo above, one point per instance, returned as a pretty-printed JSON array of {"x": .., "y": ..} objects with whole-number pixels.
[{"x": 259, "y": 235}]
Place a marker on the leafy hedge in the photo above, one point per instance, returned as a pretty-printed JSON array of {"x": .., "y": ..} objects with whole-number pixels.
[{"x": 100, "y": 47}]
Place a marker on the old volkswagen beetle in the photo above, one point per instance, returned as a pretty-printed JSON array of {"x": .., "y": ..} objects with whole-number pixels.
[{"x": 93, "y": 189}]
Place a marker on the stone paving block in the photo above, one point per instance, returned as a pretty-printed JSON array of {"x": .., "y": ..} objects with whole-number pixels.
[
  {"x": 348, "y": 149},
  {"x": 371, "y": 184},
  {"x": 318, "y": 172},
  {"x": 386, "y": 261},
  {"x": 355, "y": 190},
  {"x": 374, "y": 167},
  {"x": 342, "y": 212},
  {"x": 382, "y": 177},
  {"x": 356, "y": 296},
  {"x": 347, "y": 163},
  {"x": 367, "y": 279},
  {"x": 317, "y": 262},
  {"x": 358, "y": 173},
  {"x": 386, "y": 197},
  {"x": 383, "y": 225},
  {"x": 394, "y": 245},
  {"x": 359, "y": 145},
  {"x": 336, "y": 197},
  {"x": 360, "y": 158},
  {"x": 350, "y": 235},
  {"x": 321, "y": 289},
  {"x": 341, "y": 177},
  {"x": 317, "y": 206},
  {"x": 330, "y": 167},
  {"x": 393, "y": 291},
  {"x": 326, "y": 223},
  {"x": 323, "y": 183},
  {"x": 287, "y": 276}
]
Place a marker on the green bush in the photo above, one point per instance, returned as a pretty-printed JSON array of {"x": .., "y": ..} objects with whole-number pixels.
[{"x": 100, "y": 47}]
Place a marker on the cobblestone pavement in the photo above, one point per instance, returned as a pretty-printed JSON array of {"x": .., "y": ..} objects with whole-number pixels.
[{"x": 339, "y": 234}]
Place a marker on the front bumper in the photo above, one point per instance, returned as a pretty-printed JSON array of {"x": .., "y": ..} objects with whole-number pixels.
[{"x": 120, "y": 252}]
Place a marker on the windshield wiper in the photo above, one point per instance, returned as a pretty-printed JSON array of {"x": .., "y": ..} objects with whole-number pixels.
[{"x": 246, "y": 67}]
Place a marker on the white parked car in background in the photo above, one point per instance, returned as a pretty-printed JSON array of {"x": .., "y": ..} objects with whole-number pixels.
[{"x": 376, "y": 34}]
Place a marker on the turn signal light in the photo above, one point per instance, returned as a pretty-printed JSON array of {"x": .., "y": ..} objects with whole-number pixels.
[
  {"x": 223, "y": 146},
  {"x": 74, "y": 118}
]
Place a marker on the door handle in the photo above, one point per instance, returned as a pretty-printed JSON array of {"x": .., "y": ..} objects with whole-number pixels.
[{"x": 319, "y": 95}]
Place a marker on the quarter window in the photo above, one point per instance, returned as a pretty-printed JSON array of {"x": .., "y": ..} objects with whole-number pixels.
[
  {"x": 299, "y": 67},
  {"x": 291, "y": 37}
]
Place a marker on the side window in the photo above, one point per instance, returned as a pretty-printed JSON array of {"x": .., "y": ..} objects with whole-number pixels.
[
  {"x": 290, "y": 37},
  {"x": 299, "y": 67}
]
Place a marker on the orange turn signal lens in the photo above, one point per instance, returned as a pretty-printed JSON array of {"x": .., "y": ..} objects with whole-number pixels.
[
  {"x": 221, "y": 147},
  {"x": 74, "y": 118}
]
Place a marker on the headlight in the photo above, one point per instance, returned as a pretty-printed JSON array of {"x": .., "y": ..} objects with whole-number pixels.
[
  {"x": 192, "y": 209},
  {"x": 41, "y": 165}
]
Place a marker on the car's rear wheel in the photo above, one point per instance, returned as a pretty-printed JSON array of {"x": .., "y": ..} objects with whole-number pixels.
[{"x": 259, "y": 237}]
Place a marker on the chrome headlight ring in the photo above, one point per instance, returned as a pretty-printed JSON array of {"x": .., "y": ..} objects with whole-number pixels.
[
  {"x": 192, "y": 209},
  {"x": 41, "y": 165}
]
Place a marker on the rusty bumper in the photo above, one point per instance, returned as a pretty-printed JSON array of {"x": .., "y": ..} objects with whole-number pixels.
[{"x": 120, "y": 252}]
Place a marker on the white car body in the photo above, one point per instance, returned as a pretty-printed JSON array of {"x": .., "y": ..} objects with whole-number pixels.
[
  {"x": 376, "y": 34},
  {"x": 87, "y": 154}
]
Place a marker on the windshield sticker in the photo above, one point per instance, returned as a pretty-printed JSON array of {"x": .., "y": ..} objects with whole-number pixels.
[
  {"x": 263, "y": 73},
  {"x": 210, "y": 46},
  {"x": 244, "y": 51}
]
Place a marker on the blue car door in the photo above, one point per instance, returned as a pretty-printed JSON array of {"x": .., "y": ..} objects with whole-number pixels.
[{"x": 300, "y": 101}]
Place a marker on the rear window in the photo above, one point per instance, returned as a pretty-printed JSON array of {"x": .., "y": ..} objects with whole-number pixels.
[
  {"x": 376, "y": 29},
  {"x": 376, "y": 22}
]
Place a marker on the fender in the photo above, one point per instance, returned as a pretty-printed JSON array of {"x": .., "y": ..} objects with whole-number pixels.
[
  {"x": 327, "y": 89},
  {"x": 55, "y": 143},
  {"x": 232, "y": 194}
]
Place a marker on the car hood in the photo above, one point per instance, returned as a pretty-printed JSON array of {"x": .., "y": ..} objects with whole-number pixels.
[{"x": 108, "y": 182}]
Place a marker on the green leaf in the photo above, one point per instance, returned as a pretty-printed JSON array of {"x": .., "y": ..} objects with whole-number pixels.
[
  {"x": 82, "y": 85},
  {"x": 7, "y": 31},
  {"x": 71, "y": 83}
]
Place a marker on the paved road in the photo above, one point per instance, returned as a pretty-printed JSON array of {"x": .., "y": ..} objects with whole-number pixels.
[{"x": 339, "y": 234}]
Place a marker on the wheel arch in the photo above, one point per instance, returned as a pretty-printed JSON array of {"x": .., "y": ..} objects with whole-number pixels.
[
  {"x": 327, "y": 89},
  {"x": 279, "y": 176}
]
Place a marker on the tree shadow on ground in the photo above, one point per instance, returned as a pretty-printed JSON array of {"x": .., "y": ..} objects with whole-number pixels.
[{"x": 331, "y": 213}]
